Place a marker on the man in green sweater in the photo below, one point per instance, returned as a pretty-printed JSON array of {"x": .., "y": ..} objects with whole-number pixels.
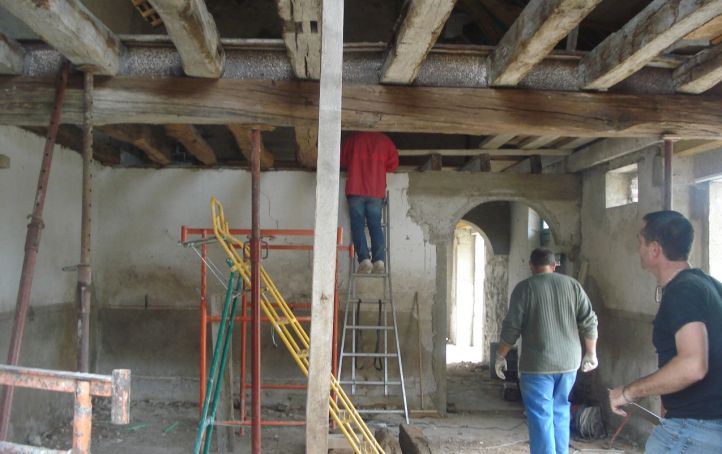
[{"x": 549, "y": 311}]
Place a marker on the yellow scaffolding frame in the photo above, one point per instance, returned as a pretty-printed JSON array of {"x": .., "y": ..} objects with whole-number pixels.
[{"x": 292, "y": 334}]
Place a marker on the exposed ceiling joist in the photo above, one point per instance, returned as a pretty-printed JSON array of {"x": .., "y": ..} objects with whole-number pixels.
[
  {"x": 302, "y": 35},
  {"x": 69, "y": 27},
  {"x": 538, "y": 142},
  {"x": 242, "y": 135},
  {"x": 497, "y": 141},
  {"x": 573, "y": 144},
  {"x": 194, "y": 33},
  {"x": 685, "y": 148},
  {"x": 143, "y": 137},
  {"x": 480, "y": 152},
  {"x": 416, "y": 34},
  {"x": 369, "y": 107},
  {"x": 191, "y": 139},
  {"x": 651, "y": 31},
  {"x": 700, "y": 73},
  {"x": 604, "y": 151},
  {"x": 541, "y": 25},
  {"x": 307, "y": 146},
  {"x": 71, "y": 137},
  {"x": 11, "y": 56}
]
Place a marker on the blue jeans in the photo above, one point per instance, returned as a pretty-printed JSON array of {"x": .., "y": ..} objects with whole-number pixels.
[
  {"x": 686, "y": 435},
  {"x": 546, "y": 400},
  {"x": 367, "y": 211}
]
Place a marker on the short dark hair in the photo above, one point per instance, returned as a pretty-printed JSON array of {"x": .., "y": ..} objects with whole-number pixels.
[
  {"x": 542, "y": 257},
  {"x": 672, "y": 231}
]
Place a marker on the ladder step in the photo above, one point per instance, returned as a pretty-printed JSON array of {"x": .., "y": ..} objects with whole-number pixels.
[
  {"x": 369, "y": 383},
  {"x": 371, "y": 355},
  {"x": 371, "y": 327}
]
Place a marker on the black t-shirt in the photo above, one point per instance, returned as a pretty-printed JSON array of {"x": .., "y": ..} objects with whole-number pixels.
[{"x": 692, "y": 296}]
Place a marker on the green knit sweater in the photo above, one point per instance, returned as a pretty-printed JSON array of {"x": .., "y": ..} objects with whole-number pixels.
[{"x": 549, "y": 311}]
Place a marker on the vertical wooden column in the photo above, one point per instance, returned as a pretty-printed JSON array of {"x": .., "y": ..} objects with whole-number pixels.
[
  {"x": 32, "y": 244},
  {"x": 324, "y": 240},
  {"x": 668, "y": 152},
  {"x": 84, "y": 269}
]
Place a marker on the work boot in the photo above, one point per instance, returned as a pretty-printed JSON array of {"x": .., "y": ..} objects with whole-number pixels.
[
  {"x": 379, "y": 267},
  {"x": 365, "y": 266}
]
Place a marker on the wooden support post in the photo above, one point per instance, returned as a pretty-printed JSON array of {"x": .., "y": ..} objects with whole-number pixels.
[
  {"x": 433, "y": 163},
  {"x": 324, "y": 238},
  {"x": 82, "y": 418}
]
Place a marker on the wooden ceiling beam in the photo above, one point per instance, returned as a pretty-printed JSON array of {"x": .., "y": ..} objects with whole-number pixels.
[
  {"x": 497, "y": 141},
  {"x": 191, "y": 139},
  {"x": 12, "y": 56},
  {"x": 538, "y": 142},
  {"x": 485, "y": 151},
  {"x": 684, "y": 148},
  {"x": 415, "y": 35},
  {"x": 307, "y": 146},
  {"x": 604, "y": 151},
  {"x": 242, "y": 135},
  {"x": 532, "y": 36},
  {"x": 143, "y": 137},
  {"x": 302, "y": 35},
  {"x": 70, "y": 28},
  {"x": 641, "y": 39},
  {"x": 700, "y": 73},
  {"x": 193, "y": 31},
  {"x": 26, "y": 101},
  {"x": 71, "y": 137}
]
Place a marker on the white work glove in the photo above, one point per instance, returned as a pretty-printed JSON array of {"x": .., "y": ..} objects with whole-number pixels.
[
  {"x": 500, "y": 367},
  {"x": 589, "y": 362}
]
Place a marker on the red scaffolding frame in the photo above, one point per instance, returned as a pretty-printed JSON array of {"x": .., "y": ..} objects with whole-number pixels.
[{"x": 246, "y": 314}]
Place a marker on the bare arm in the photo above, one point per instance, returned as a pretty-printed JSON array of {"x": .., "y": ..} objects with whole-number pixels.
[
  {"x": 502, "y": 350},
  {"x": 686, "y": 368},
  {"x": 590, "y": 345}
]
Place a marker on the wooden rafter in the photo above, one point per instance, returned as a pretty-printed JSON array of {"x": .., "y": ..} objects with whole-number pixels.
[
  {"x": 307, "y": 146},
  {"x": 694, "y": 147},
  {"x": 574, "y": 143},
  {"x": 242, "y": 135},
  {"x": 194, "y": 33},
  {"x": 302, "y": 35},
  {"x": 604, "y": 151},
  {"x": 538, "y": 142},
  {"x": 69, "y": 27},
  {"x": 143, "y": 137},
  {"x": 12, "y": 56},
  {"x": 480, "y": 152},
  {"x": 72, "y": 137},
  {"x": 541, "y": 25},
  {"x": 700, "y": 73},
  {"x": 27, "y": 101},
  {"x": 496, "y": 141},
  {"x": 416, "y": 34},
  {"x": 191, "y": 139},
  {"x": 650, "y": 32}
]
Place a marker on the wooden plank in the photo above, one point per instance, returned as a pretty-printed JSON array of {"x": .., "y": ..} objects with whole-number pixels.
[
  {"x": 301, "y": 21},
  {"x": 325, "y": 223},
  {"x": 604, "y": 151},
  {"x": 144, "y": 137},
  {"x": 538, "y": 142},
  {"x": 71, "y": 137},
  {"x": 651, "y": 31},
  {"x": 191, "y": 139},
  {"x": 194, "y": 33},
  {"x": 307, "y": 146},
  {"x": 496, "y": 141},
  {"x": 685, "y": 148},
  {"x": 575, "y": 143},
  {"x": 480, "y": 152},
  {"x": 708, "y": 31},
  {"x": 541, "y": 25},
  {"x": 27, "y": 101},
  {"x": 242, "y": 134},
  {"x": 700, "y": 73},
  {"x": 68, "y": 26},
  {"x": 12, "y": 56},
  {"x": 416, "y": 34}
]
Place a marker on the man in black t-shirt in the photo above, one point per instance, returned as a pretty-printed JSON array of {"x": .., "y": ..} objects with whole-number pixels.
[{"x": 687, "y": 335}]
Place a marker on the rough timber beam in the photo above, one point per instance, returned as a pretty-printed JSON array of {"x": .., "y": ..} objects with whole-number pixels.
[
  {"x": 143, "y": 137},
  {"x": 27, "y": 102},
  {"x": 73, "y": 30},
  {"x": 416, "y": 34},
  {"x": 307, "y": 146},
  {"x": 194, "y": 33},
  {"x": 302, "y": 35},
  {"x": 496, "y": 141},
  {"x": 72, "y": 137},
  {"x": 11, "y": 56},
  {"x": 242, "y": 135},
  {"x": 191, "y": 139},
  {"x": 541, "y": 25},
  {"x": 700, "y": 73},
  {"x": 651, "y": 31},
  {"x": 485, "y": 151},
  {"x": 604, "y": 151},
  {"x": 685, "y": 148}
]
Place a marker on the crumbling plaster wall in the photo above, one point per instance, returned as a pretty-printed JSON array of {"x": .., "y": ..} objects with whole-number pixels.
[
  {"x": 438, "y": 201},
  {"x": 621, "y": 292}
]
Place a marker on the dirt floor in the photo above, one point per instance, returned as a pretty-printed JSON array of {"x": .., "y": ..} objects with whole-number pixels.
[{"x": 479, "y": 421}]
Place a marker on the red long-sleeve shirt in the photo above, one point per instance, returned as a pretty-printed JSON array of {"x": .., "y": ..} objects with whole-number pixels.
[{"x": 368, "y": 156}]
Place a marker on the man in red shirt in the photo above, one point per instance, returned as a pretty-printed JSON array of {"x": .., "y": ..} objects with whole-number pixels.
[{"x": 368, "y": 156}]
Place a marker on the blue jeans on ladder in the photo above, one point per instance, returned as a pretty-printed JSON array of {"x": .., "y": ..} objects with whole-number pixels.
[
  {"x": 546, "y": 400},
  {"x": 367, "y": 211}
]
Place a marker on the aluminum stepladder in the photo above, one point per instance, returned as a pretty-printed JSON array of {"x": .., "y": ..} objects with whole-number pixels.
[
  {"x": 353, "y": 328},
  {"x": 289, "y": 330}
]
